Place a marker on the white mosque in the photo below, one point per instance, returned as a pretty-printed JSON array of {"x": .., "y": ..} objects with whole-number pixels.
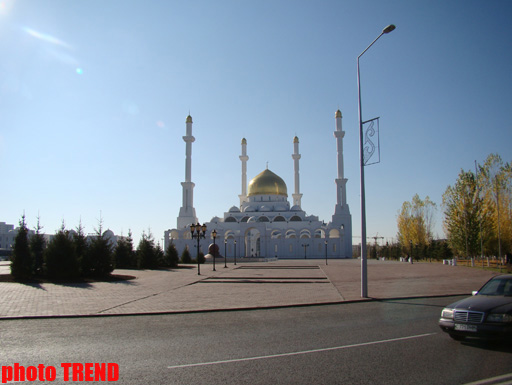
[{"x": 264, "y": 225}]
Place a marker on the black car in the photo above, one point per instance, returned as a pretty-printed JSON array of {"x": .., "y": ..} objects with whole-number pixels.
[{"x": 487, "y": 314}]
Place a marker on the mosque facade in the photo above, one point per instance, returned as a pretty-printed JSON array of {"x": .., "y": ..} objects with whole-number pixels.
[{"x": 264, "y": 224}]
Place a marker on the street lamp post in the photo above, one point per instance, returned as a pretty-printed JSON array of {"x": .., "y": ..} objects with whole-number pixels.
[
  {"x": 214, "y": 235},
  {"x": 198, "y": 232},
  {"x": 225, "y": 255},
  {"x": 235, "y": 252},
  {"x": 305, "y": 245},
  {"x": 364, "y": 272},
  {"x": 326, "y": 251}
]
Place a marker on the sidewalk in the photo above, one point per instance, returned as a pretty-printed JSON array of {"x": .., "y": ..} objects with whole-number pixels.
[{"x": 246, "y": 285}]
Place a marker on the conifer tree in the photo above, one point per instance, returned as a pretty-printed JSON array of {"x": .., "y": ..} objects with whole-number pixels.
[
  {"x": 146, "y": 253},
  {"x": 81, "y": 247},
  {"x": 60, "y": 256},
  {"x": 185, "y": 256},
  {"x": 100, "y": 255},
  {"x": 171, "y": 256},
  {"x": 37, "y": 246},
  {"x": 21, "y": 260},
  {"x": 124, "y": 254},
  {"x": 160, "y": 256}
]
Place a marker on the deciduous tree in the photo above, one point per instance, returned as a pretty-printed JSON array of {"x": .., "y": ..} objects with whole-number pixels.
[
  {"x": 495, "y": 183},
  {"x": 464, "y": 212},
  {"x": 415, "y": 222}
]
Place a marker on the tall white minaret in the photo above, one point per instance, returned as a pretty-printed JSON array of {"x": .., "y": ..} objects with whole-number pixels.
[
  {"x": 342, "y": 218},
  {"x": 187, "y": 211},
  {"x": 244, "y": 158},
  {"x": 341, "y": 182},
  {"x": 296, "y": 156}
]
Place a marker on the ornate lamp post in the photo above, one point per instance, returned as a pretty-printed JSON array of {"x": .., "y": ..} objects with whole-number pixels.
[
  {"x": 225, "y": 255},
  {"x": 198, "y": 232},
  {"x": 364, "y": 273},
  {"x": 214, "y": 235}
]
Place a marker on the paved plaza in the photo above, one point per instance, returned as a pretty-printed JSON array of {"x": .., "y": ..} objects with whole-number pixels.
[{"x": 247, "y": 285}]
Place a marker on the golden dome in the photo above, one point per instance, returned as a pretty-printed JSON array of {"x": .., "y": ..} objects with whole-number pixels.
[
  {"x": 189, "y": 119},
  {"x": 338, "y": 114},
  {"x": 296, "y": 139},
  {"x": 267, "y": 183}
]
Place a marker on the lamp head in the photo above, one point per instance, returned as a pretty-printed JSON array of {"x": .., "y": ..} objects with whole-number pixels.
[
  {"x": 203, "y": 228},
  {"x": 389, "y": 28},
  {"x": 214, "y": 234},
  {"x": 192, "y": 228}
]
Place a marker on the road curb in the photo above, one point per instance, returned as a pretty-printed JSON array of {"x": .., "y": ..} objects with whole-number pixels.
[{"x": 198, "y": 311}]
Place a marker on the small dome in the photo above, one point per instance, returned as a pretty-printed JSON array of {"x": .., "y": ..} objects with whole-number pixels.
[
  {"x": 338, "y": 114},
  {"x": 189, "y": 119},
  {"x": 296, "y": 139},
  {"x": 267, "y": 183},
  {"x": 234, "y": 209},
  {"x": 244, "y": 141}
]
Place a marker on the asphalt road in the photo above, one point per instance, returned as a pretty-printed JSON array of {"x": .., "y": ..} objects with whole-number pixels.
[{"x": 386, "y": 342}]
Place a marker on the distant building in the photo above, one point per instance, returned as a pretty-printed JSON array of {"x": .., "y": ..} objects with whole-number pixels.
[
  {"x": 264, "y": 224},
  {"x": 8, "y": 235}
]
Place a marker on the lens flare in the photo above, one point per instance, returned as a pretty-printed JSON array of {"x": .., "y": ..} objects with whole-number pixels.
[{"x": 45, "y": 37}]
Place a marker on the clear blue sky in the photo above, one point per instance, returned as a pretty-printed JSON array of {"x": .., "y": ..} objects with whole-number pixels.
[{"x": 94, "y": 96}]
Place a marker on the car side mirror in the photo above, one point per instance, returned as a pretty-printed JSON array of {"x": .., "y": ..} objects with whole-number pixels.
[{"x": 474, "y": 292}]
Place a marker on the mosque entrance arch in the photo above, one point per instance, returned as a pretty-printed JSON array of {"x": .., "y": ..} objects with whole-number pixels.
[{"x": 253, "y": 242}]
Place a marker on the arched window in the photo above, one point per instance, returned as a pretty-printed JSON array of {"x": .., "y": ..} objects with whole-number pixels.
[
  {"x": 334, "y": 233},
  {"x": 319, "y": 233}
]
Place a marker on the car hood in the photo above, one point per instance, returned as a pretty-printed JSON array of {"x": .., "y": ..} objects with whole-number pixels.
[{"x": 484, "y": 303}]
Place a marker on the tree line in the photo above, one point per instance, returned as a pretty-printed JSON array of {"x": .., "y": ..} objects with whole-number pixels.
[
  {"x": 72, "y": 255},
  {"x": 477, "y": 214}
]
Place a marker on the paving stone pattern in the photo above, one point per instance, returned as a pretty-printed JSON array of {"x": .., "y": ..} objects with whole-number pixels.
[{"x": 246, "y": 285}]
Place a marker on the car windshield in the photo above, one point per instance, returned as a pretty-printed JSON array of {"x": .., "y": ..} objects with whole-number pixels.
[{"x": 497, "y": 286}]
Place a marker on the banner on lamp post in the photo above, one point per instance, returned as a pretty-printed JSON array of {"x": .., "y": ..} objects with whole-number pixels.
[{"x": 371, "y": 147}]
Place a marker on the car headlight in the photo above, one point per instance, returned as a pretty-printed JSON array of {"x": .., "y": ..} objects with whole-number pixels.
[
  {"x": 447, "y": 313},
  {"x": 499, "y": 317}
]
